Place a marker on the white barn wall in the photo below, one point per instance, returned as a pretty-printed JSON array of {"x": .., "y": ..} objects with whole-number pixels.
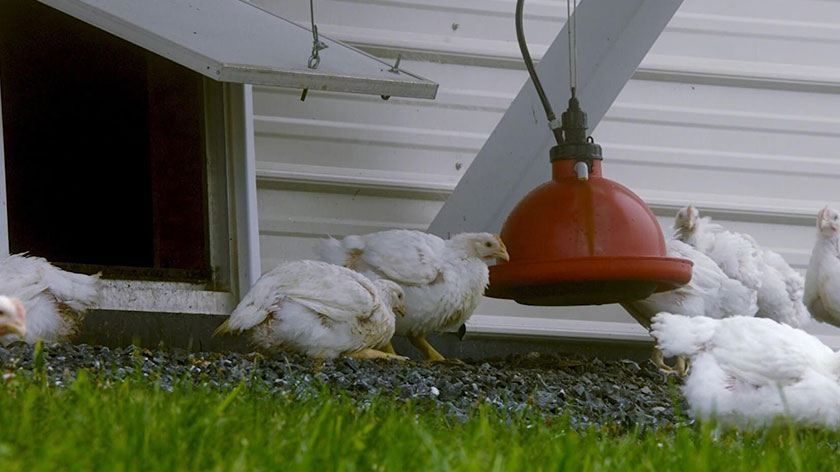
[{"x": 734, "y": 109}]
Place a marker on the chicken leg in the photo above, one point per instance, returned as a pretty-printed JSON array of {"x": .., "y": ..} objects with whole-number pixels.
[
  {"x": 682, "y": 366},
  {"x": 389, "y": 348},
  {"x": 420, "y": 343},
  {"x": 368, "y": 353},
  {"x": 659, "y": 361}
]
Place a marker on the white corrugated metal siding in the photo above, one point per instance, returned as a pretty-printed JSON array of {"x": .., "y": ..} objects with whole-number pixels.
[{"x": 734, "y": 110}]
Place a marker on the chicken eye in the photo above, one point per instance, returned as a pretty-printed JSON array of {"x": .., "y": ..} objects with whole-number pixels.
[{"x": 487, "y": 244}]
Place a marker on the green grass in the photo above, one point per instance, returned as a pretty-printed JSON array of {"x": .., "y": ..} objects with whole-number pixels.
[{"x": 136, "y": 425}]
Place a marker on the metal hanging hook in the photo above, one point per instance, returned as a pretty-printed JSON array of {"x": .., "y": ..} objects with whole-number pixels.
[
  {"x": 317, "y": 44},
  {"x": 396, "y": 67}
]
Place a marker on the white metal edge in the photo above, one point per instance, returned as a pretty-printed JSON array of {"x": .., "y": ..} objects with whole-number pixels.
[
  {"x": 330, "y": 40},
  {"x": 334, "y": 177},
  {"x": 730, "y": 72},
  {"x": 498, "y": 326},
  {"x": 417, "y": 88},
  {"x": 412, "y": 86},
  {"x": 664, "y": 67},
  {"x": 725, "y": 206},
  {"x": 242, "y": 164},
  {"x": 4, "y": 217},
  {"x": 547, "y": 329},
  {"x": 613, "y": 38},
  {"x": 163, "y": 297}
]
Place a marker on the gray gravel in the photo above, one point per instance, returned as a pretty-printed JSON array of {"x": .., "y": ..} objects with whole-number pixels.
[{"x": 621, "y": 394}]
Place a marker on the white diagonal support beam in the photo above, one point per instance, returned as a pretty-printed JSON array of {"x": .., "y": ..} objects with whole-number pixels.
[{"x": 612, "y": 37}]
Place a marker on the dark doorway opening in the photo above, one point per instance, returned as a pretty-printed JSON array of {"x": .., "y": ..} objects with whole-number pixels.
[{"x": 104, "y": 149}]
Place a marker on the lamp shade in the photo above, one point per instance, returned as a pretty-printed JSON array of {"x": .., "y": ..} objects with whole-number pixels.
[{"x": 583, "y": 242}]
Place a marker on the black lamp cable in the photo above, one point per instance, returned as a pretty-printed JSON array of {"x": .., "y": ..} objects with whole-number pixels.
[{"x": 529, "y": 64}]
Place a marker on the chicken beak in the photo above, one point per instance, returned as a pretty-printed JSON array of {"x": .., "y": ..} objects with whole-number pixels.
[
  {"x": 823, "y": 222},
  {"x": 18, "y": 325},
  {"x": 502, "y": 252},
  {"x": 692, "y": 220},
  {"x": 17, "y": 328},
  {"x": 400, "y": 309}
]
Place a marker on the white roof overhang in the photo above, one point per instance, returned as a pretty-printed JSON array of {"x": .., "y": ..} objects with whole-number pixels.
[{"x": 235, "y": 41}]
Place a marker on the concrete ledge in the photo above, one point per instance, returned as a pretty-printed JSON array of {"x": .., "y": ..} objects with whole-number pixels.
[{"x": 195, "y": 333}]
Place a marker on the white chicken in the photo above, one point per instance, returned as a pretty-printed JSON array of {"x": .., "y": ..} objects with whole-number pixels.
[
  {"x": 443, "y": 280},
  {"x": 55, "y": 300},
  {"x": 748, "y": 372},
  {"x": 12, "y": 318},
  {"x": 318, "y": 309},
  {"x": 709, "y": 293},
  {"x": 780, "y": 288},
  {"x": 822, "y": 280},
  {"x": 782, "y": 293}
]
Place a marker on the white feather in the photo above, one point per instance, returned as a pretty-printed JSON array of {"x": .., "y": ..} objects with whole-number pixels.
[
  {"x": 782, "y": 292},
  {"x": 749, "y": 371},
  {"x": 332, "y": 250},
  {"x": 732, "y": 252},
  {"x": 315, "y": 308},
  {"x": 443, "y": 280},
  {"x": 822, "y": 281},
  {"x": 780, "y": 289},
  {"x": 407, "y": 257},
  {"x": 55, "y": 300},
  {"x": 709, "y": 292}
]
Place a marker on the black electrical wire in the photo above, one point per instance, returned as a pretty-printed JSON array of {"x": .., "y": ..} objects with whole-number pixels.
[{"x": 529, "y": 64}]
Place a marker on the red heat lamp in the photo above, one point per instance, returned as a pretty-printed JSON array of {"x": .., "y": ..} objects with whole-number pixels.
[{"x": 580, "y": 239}]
